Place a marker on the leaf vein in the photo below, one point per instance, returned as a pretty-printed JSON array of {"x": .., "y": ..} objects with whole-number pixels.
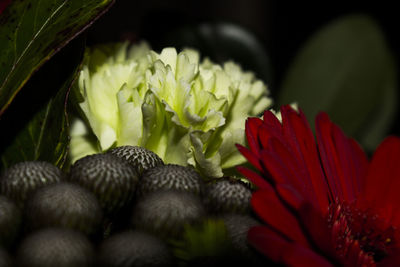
[
  {"x": 15, "y": 40},
  {"x": 42, "y": 128},
  {"x": 18, "y": 58}
]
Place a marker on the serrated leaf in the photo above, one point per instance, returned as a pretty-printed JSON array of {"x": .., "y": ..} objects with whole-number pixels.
[
  {"x": 32, "y": 31},
  {"x": 347, "y": 70},
  {"x": 36, "y": 122}
]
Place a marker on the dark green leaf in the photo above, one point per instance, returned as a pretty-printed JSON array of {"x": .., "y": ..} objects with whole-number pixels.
[
  {"x": 44, "y": 138},
  {"x": 382, "y": 119},
  {"x": 36, "y": 123},
  {"x": 347, "y": 70},
  {"x": 32, "y": 31}
]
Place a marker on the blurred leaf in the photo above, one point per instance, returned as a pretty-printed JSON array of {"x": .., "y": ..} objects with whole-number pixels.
[
  {"x": 345, "y": 69},
  {"x": 33, "y": 31},
  {"x": 37, "y": 123},
  {"x": 383, "y": 117}
]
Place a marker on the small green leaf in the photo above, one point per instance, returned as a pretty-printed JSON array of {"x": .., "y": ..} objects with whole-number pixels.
[
  {"x": 347, "y": 70},
  {"x": 210, "y": 239},
  {"x": 33, "y": 31},
  {"x": 36, "y": 122}
]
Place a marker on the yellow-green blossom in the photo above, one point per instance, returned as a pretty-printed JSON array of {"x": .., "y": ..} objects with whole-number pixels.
[{"x": 185, "y": 110}]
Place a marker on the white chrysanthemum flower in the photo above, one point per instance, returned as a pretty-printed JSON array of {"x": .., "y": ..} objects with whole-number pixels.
[{"x": 186, "y": 111}]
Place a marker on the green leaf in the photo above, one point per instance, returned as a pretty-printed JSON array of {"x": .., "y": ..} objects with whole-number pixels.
[
  {"x": 347, "y": 70},
  {"x": 32, "y": 31},
  {"x": 210, "y": 239},
  {"x": 36, "y": 122},
  {"x": 383, "y": 118}
]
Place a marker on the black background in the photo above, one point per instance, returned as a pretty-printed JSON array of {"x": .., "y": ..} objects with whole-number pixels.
[{"x": 280, "y": 26}]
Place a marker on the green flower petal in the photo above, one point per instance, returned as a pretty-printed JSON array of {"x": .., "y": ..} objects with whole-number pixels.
[
  {"x": 188, "y": 112},
  {"x": 82, "y": 143},
  {"x": 130, "y": 117},
  {"x": 228, "y": 151},
  {"x": 208, "y": 166}
]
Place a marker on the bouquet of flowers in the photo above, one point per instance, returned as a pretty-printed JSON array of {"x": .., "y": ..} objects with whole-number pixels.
[{"x": 121, "y": 154}]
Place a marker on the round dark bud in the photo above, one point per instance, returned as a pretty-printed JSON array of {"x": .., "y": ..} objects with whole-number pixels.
[
  {"x": 141, "y": 158},
  {"x": 111, "y": 179},
  {"x": 164, "y": 213},
  {"x": 237, "y": 226},
  {"x": 10, "y": 221},
  {"x": 65, "y": 205},
  {"x": 134, "y": 248},
  {"x": 170, "y": 176},
  {"x": 226, "y": 195},
  {"x": 22, "y": 179},
  {"x": 55, "y": 247}
]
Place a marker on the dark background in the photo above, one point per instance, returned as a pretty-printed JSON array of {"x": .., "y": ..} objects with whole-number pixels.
[{"x": 281, "y": 27}]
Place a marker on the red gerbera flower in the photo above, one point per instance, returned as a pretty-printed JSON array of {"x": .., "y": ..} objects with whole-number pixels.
[{"x": 323, "y": 204}]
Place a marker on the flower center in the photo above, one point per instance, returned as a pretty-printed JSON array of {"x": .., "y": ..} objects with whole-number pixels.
[{"x": 361, "y": 232}]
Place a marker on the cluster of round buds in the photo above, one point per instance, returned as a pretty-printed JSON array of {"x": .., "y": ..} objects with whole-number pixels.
[{"x": 124, "y": 205}]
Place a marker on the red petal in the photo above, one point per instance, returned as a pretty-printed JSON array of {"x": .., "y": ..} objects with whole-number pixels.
[
  {"x": 255, "y": 178},
  {"x": 272, "y": 121},
  {"x": 290, "y": 195},
  {"x": 344, "y": 159},
  {"x": 266, "y": 133},
  {"x": 360, "y": 165},
  {"x": 299, "y": 256},
  {"x": 300, "y": 138},
  {"x": 338, "y": 158},
  {"x": 252, "y": 158},
  {"x": 323, "y": 132},
  {"x": 382, "y": 186},
  {"x": 280, "y": 250},
  {"x": 391, "y": 260},
  {"x": 271, "y": 127},
  {"x": 252, "y": 125},
  {"x": 285, "y": 168},
  {"x": 267, "y": 205},
  {"x": 268, "y": 242},
  {"x": 317, "y": 228},
  {"x": 277, "y": 167}
]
